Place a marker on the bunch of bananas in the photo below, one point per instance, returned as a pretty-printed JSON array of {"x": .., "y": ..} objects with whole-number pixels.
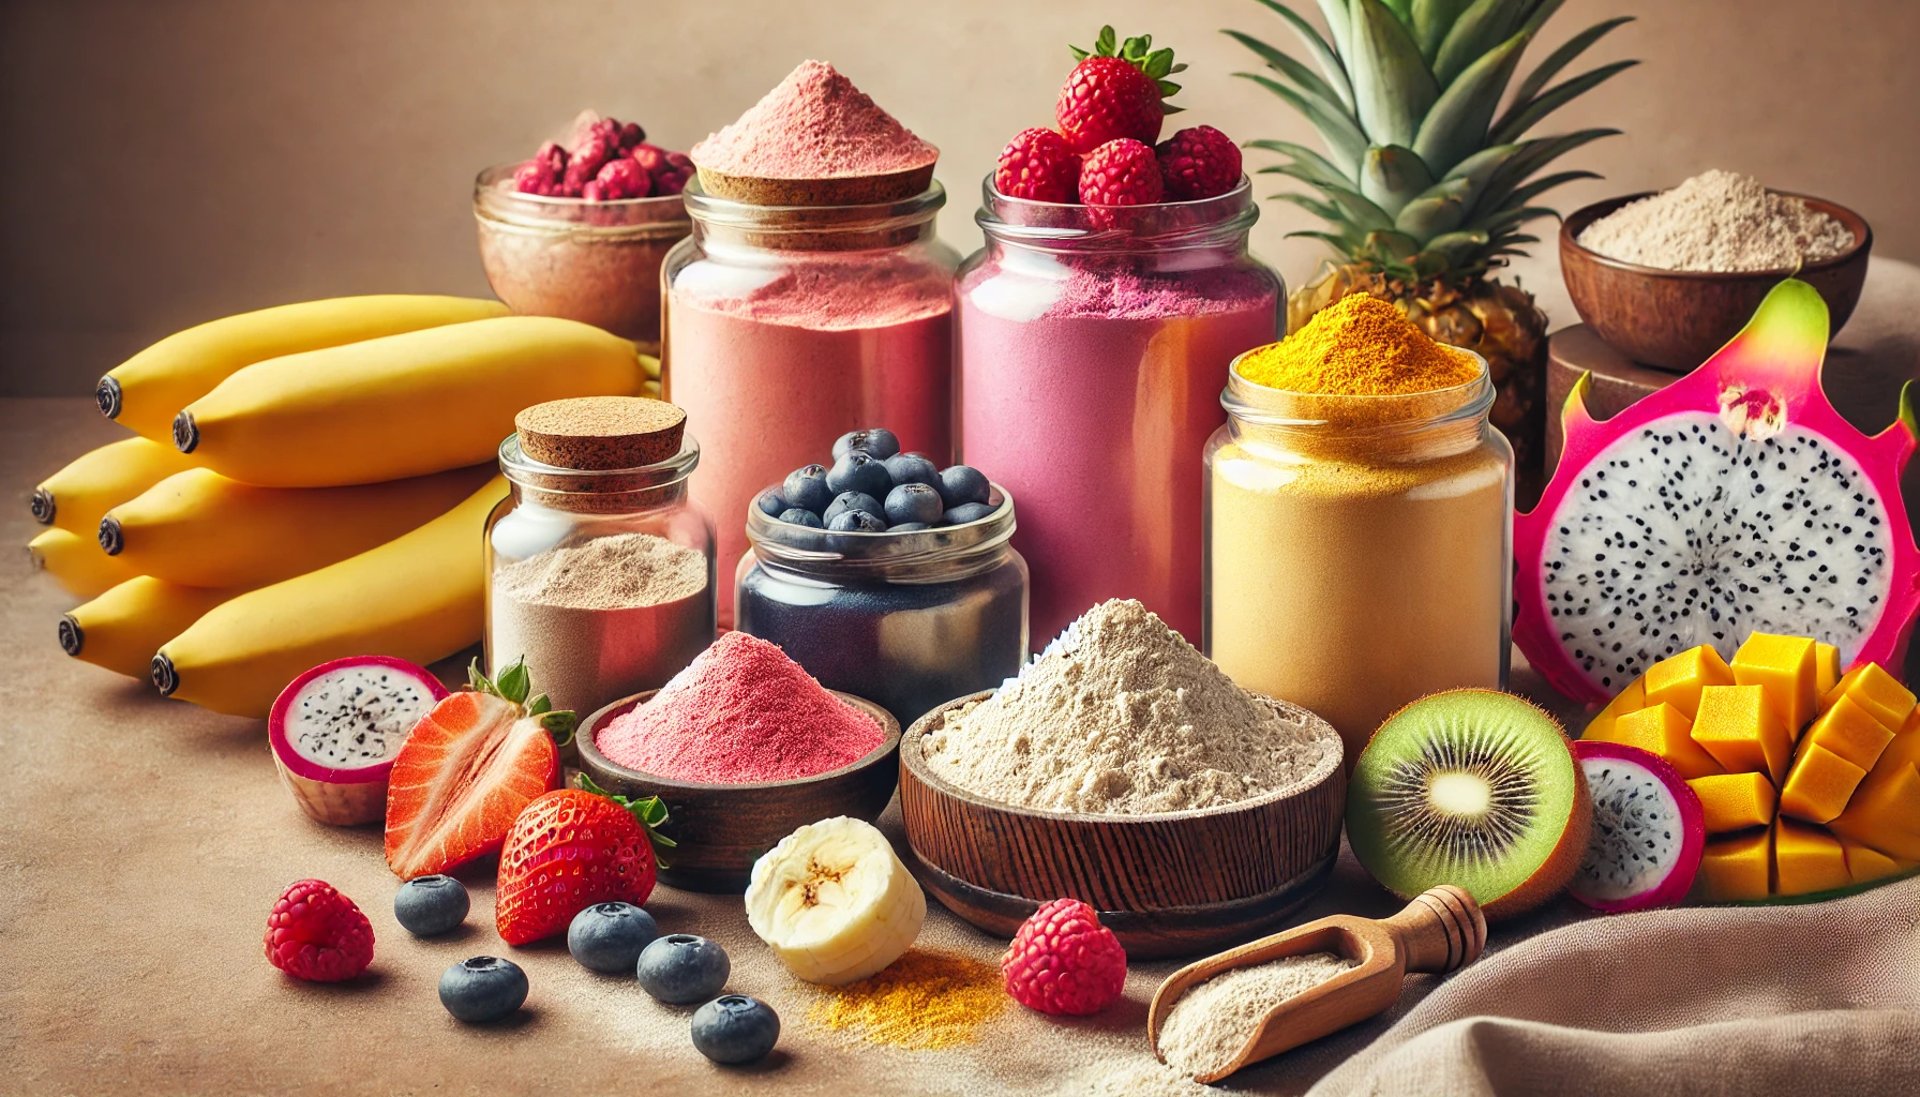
[{"x": 305, "y": 482}]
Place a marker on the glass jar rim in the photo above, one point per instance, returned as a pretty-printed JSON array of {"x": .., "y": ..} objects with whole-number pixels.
[
  {"x": 558, "y": 480},
  {"x": 654, "y": 215},
  {"x": 709, "y": 209},
  {"x": 1034, "y": 223},
  {"x": 1249, "y": 401},
  {"x": 881, "y": 554}
]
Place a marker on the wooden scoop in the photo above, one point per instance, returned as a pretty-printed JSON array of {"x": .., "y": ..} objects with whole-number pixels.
[{"x": 1440, "y": 930}]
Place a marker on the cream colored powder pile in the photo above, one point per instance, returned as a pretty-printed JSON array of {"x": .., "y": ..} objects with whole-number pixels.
[
  {"x": 1210, "y": 1023},
  {"x": 1121, "y": 716},
  {"x": 1718, "y": 221},
  {"x": 616, "y": 572}
]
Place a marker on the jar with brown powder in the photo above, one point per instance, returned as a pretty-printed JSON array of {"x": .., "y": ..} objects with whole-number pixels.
[{"x": 599, "y": 567}]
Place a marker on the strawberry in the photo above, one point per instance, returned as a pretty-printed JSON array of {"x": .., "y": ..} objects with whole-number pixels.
[
  {"x": 1120, "y": 173},
  {"x": 1111, "y": 95},
  {"x": 1198, "y": 162},
  {"x": 467, "y": 769},
  {"x": 1038, "y": 165},
  {"x": 569, "y": 850},
  {"x": 317, "y": 934}
]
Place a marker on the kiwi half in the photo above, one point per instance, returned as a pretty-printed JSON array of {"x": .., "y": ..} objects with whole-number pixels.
[{"x": 1474, "y": 788}]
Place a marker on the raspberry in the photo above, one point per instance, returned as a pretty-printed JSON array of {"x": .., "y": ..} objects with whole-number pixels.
[
  {"x": 1063, "y": 961},
  {"x": 620, "y": 178},
  {"x": 585, "y": 165},
  {"x": 530, "y": 178},
  {"x": 1198, "y": 162},
  {"x": 317, "y": 934},
  {"x": 651, "y": 158},
  {"x": 1038, "y": 164},
  {"x": 1120, "y": 173}
]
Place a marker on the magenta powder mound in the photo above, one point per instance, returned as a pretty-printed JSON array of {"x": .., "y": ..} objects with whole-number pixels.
[
  {"x": 740, "y": 712},
  {"x": 814, "y": 125}
]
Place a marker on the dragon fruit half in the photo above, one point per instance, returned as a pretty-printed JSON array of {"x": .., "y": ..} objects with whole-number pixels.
[
  {"x": 1735, "y": 500},
  {"x": 336, "y": 729}
]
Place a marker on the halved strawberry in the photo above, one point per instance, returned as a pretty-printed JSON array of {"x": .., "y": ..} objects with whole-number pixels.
[
  {"x": 466, "y": 771},
  {"x": 571, "y": 849}
]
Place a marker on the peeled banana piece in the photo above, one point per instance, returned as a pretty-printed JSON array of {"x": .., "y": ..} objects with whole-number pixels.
[
  {"x": 120, "y": 629},
  {"x": 75, "y": 498},
  {"x": 417, "y": 597},
  {"x": 77, "y": 563},
  {"x": 405, "y": 405},
  {"x": 146, "y": 391},
  {"x": 202, "y": 529},
  {"x": 834, "y": 902}
]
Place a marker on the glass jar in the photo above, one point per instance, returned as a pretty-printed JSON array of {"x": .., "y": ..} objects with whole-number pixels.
[
  {"x": 909, "y": 621},
  {"x": 596, "y": 262},
  {"x": 1093, "y": 346},
  {"x": 1359, "y": 548},
  {"x": 602, "y": 580},
  {"x": 787, "y": 326}
]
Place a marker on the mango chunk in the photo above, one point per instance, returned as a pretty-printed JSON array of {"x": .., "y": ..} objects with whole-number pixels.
[
  {"x": 1629, "y": 699},
  {"x": 1806, "y": 859},
  {"x": 1665, "y": 731},
  {"x": 1885, "y": 813},
  {"x": 1866, "y": 864},
  {"x": 1734, "y": 801},
  {"x": 1849, "y": 730},
  {"x": 1736, "y": 868},
  {"x": 1678, "y": 679},
  {"x": 1742, "y": 731},
  {"x": 1819, "y": 785},
  {"x": 1826, "y": 667},
  {"x": 1785, "y": 666},
  {"x": 1874, "y": 690}
]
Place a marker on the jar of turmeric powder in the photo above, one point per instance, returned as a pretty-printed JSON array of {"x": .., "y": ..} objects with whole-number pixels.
[{"x": 1358, "y": 520}]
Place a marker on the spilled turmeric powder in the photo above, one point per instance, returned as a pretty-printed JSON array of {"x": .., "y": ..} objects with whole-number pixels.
[
  {"x": 925, "y": 1001},
  {"x": 1358, "y": 346}
]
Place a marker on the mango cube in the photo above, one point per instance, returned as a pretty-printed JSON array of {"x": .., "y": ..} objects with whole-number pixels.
[
  {"x": 1819, "y": 785},
  {"x": 1663, "y": 730},
  {"x": 1736, "y": 868},
  {"x": 1678, "y": 679},
  {"x": 1850, "y": 731},
  {"x": 1874, "y": 690},
  {"x": 1785, "y": 667},
  {"x": 1866, "y": 864},
  {"x": 1631, "y": 698},
  {"x": 1885, "y": 813},
  {"x": 1742, "y": 731},
  {"x": 1734, "y": 801},
  {"x": 1806, "y": 859},
  {"x": 1826, "y": 667}
]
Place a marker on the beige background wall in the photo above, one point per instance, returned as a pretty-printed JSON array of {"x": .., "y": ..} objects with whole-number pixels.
[{"x": 168, "y": 161}]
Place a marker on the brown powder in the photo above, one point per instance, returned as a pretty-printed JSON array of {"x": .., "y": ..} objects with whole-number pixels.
[{"x": 1211, "y": 1022}]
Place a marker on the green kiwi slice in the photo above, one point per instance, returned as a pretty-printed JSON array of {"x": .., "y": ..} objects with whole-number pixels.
[{"x": 1474, "y": 788}]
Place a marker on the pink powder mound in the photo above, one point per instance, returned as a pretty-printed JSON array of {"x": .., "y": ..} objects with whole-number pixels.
[
  {"x": 814, "y": 125},
  {"x": 740, "y": 712},
  {"x": 824, "y": 293},
  {"x": 1123, "y": 293}
]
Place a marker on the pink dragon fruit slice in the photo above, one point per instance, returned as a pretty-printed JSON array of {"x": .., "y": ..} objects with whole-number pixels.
[
  {"x": 1735, "y": 500},
  {"x": 336, "y": 730},
  {"x": 1648, "y": 830}
]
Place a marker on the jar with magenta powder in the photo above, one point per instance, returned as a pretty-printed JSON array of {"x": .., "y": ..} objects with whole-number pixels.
[
  {"x": 1093, "y": 344},
  {"x": 787, "y": 326}
]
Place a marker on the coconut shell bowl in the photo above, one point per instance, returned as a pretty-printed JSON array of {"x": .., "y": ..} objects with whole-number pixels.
[
  {"x": 1171, "y": 884},
  {"x": 721, "y": 830},
  {"x": 1675, "y": 319}
]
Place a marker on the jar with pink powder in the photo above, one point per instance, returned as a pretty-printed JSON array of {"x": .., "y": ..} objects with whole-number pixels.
[{"x": 1094, "y": 343}]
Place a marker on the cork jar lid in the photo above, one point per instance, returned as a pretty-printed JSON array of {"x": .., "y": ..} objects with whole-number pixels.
[{"x": 601, "y": 432}]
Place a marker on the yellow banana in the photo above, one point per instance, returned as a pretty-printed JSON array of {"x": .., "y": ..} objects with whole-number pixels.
[
  {"x": 202, "y": 529},
  {"x": 121, "y": 629},
  {"x": 75, "y": 498},
  {"x": 77, "y": 563},
  {"x": 405, "y": 405},
  {"x": 416, "y": 597},
  {"x": 146, "y": 391}
]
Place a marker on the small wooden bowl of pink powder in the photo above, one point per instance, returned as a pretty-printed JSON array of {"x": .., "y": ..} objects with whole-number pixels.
[{"x": 744, "y": 747}]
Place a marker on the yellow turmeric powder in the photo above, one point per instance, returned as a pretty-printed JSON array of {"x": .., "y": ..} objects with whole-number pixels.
[
  {"x": 1358, "y": 346},
  {"x": 924, "y": 1001}
]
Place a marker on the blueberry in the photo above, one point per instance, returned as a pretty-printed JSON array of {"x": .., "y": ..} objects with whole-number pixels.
[
  {"x": 609, "y": 936},
  {"x": 807, "y": 488},
  {"x": 966, "y": 512},
  {"x": 913, "y": 503},
  {"x": 857, "y": 521},
  {"x": 770, "y": 502},
  {"x": 963, "y": 484},
  {"x": 908, "y": 527},
  {"x": 427, "y": 906},
  {"x": 681, "y": 969},
  {"x": 854, "y": 500},
  {"x": 860, "y": 471},
  {"x": 734, "y": 1029},
  {"x": 798, "y": 517},
  {"x": 878, "y": 441},
  {"x": 485, "y": 988},
  {"x": 913, "y": 468}
]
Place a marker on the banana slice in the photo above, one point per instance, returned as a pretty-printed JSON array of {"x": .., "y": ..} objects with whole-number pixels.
[{"x": 834, "y": 902}]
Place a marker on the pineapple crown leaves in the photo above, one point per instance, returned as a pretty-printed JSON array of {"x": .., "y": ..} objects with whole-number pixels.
[
  {"x": 1138, "y": 51},
  {"x": 649, "y": 811},
  {"x": 512, "y": 685},
  {"x": 1422, "y": 169}
]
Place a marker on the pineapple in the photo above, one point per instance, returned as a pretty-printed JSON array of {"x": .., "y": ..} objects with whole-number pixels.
[{"x": 1425, "y": 184}]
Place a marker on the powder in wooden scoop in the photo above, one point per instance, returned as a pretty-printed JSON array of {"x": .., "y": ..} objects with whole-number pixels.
[
  {"x": 814, "y": 125},
  {"x": 1211, "y": 1022}
]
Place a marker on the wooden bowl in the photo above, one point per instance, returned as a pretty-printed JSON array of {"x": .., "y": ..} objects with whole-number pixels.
[
  {"x": 721, "y": 830},
  {"x": 1167, "y": 885},
  {"x": 1676, "y": 319}
]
